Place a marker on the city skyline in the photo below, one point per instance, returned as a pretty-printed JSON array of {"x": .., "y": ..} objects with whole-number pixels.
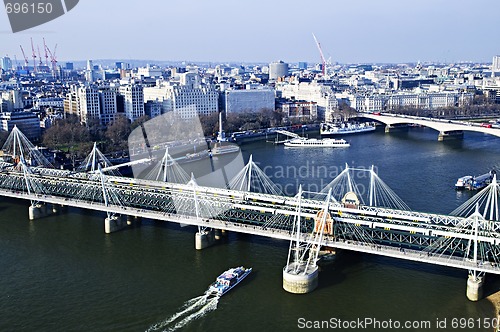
[{"x": 359, "y": 31}]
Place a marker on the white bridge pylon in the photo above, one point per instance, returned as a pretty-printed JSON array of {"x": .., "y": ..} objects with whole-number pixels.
[
  {"x": 481, "y": 224},
  {"x": 97, "y": 160},
  {"x": 24, "y": 155},
  {"x": 168, "y": 170},
  {"x": 18, "y": 147},
  {"x": 252, "y": 179},
  {"x": 304, "y": 251},
  {"x": 486, "y": 201},
  {"x": 368, "y": 187}
]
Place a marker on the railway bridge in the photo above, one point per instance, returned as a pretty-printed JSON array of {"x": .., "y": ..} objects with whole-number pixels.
[{"x": 342, "y": 216}]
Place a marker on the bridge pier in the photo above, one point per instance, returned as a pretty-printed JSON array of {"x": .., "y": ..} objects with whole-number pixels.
[
  {"x": 300, "y": 279},
  {"x": 395, "y": 128},
  {"x": 113, "y": 224},
  {"x": 37, "y": 211},
  {"x": 450, "y": 135},
  {"x": 204, "y": 239},
  {"x": 475, "y": 288}
]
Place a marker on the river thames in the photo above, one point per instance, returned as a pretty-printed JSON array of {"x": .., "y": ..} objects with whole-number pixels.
[{"x": 62, "y": 273}]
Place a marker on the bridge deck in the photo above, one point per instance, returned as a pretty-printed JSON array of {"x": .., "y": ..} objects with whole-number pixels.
[
  {"x": 440, "y": 125},
  {"x": 349, "y": 216}
]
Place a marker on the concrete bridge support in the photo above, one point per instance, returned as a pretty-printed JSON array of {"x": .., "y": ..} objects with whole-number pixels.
[
  {"x": 450, "y": 135},
  {"x": 475, "y": 288},
  {"x": 113, "y": 224},
  {"x": 37, "y": 211},
  {"x": 395, "y": 128},
  {"x": 204, "y": 239},
  {"x": 300, "y": 281}
]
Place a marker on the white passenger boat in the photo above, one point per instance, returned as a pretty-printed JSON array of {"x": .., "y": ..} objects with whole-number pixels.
[
  {"x": 475, "y": 182},
  {"x": 317, "y": 143},
  {"x": 463, "y": 182},
  {"x": 345, "y": 128},
  {"x": 220, "y": 149},
  {"x": 222, "y": 146},
  {"x": 227, "y": 280}
]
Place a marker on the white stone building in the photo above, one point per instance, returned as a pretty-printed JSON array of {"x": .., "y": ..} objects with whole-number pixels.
[
  {"x": 54, "y": 102},
  {"x": 248, "y": 100},
  {"x": 321, "y": 94},
  {"x": 109, "y": 106},
  {"x": 11, "y": 101},
  {"x": 422, "y": 100},
  {"x": 187, "y": 98},
  {"x": 89, "y": 105},
  {"x": 149, "y": 71},
  {"x": 133, "y": 98}
]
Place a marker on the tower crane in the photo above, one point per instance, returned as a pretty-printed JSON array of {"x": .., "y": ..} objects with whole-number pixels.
[
  {"x": 323, "y": 61},
  {"x": 26, "y": 62},
  {"x": 53, "y": 58},
  {"x": 33, "y": 54},
  {"x": 40, "y": 62},
  {"x": 46, "y": 55}
]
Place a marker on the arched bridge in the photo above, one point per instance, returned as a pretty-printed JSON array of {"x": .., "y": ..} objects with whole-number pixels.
[{"x": 446, "y": 128}]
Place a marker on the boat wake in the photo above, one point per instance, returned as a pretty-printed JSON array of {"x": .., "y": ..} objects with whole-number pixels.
[{"x": 190, "y": 311}]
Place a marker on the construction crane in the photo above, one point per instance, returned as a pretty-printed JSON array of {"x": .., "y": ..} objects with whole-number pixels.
[
  {"x": 323, "y": 61},
  {"x": 40, "y": 62},
  {"x": 33, "y": 55},
  {"x": 46, "y": 55},
  {"x": 53, "y": 58},
  {"x": 26, "y": 62}
]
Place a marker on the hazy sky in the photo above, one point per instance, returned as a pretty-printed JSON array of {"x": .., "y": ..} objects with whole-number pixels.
[{"x": 349, "y": 31}]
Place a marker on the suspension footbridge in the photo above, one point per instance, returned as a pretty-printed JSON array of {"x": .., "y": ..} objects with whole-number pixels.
[{"x": 341, "y": 216}]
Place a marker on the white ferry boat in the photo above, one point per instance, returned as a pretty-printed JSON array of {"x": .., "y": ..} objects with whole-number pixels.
[
  {"x": 317, "y": 143},
  {"x": 345, "y": 128},
  {"x": 463, "y": 182},
  {"x": 227, "y": 280},
  {"x": 220, "y": 149},
  {"x": 475, "y": 182}
]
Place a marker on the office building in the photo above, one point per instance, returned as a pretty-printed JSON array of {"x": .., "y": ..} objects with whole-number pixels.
[
  {"x": 133, "y": 100},
  {"x": 187, "y": 99},
  {"x": 108, "y": 104},
  {"x": 27, "y": 122},
  {"x": 248, "y": 100},
  {"x": 6, "y": 63}
]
